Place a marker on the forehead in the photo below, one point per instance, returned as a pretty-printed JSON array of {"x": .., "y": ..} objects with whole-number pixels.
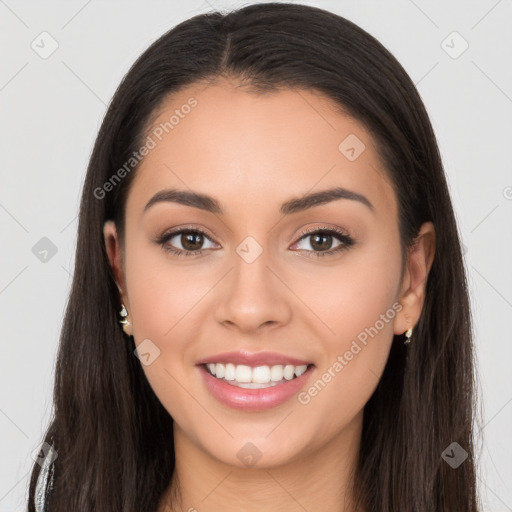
[{"x": 239, "y": 146}]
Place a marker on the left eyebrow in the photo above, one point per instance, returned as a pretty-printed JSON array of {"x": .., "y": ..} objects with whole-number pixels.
[
  {"x": 324, "y": 196},
  {"x": 210, "y": 204}
]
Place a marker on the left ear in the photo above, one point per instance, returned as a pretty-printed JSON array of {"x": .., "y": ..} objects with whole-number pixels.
[
  {"x": 412, "y": 295},
  {"x": 113, "y": 249}
]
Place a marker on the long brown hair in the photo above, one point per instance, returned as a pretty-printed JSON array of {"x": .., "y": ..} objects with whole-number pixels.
[{"x": 112, "y": 436}]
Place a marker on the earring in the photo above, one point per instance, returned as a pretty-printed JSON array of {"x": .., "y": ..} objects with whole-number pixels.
[
  {"x": 408, "y": 335},
  {"x": 124, "y": 321}
]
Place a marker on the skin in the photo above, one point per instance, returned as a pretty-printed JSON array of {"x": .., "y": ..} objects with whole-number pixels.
[{"x": 252, "y": 153}]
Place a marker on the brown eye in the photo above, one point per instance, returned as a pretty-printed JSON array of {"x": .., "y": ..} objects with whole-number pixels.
[
  {"x": 191, "y": 241},
  {"x": 185, "y": 242},
  {"x": 320, "y": 241}
]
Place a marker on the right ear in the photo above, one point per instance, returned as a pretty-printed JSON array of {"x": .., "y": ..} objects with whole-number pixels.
[{"x": 113, "y": 248}]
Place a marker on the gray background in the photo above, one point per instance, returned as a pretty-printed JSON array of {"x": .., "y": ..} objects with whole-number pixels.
[{"x": 51, "y": 110}]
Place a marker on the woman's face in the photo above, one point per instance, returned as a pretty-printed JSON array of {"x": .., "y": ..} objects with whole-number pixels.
[{"x": 326, "y": 303}]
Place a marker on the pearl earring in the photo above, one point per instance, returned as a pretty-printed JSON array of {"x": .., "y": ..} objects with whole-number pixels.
[{"x": 124, "y": 320}]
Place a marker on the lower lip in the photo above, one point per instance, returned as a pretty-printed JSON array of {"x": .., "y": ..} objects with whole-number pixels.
[{"x": 253, "y": 399}]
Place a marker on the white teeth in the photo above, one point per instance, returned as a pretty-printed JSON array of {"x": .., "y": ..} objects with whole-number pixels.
[
  {"x": 261, "y": 374},
  {"x": 242, "y": 373},
  {"x": 288, "y": 372},
  {"x": 230, "y": 372},
  {"x": 299, "y": 370},
  {"x": 220, "y": 370},
  {"x": 255, "y": 377},
  {"x": 251, "y": 385},
  {"x": 276, "y": 373}
]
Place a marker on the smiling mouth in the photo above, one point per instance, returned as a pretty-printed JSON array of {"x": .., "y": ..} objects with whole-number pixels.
[{"x": 257, "y": 377}]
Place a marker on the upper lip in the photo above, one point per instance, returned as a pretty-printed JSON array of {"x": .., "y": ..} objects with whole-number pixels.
[{"x": 253, "y": 359}]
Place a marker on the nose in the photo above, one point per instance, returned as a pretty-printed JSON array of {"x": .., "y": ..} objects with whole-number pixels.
[{"x": 253, "y": 296}]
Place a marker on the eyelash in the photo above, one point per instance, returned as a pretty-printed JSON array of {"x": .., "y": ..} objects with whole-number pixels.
[{"x": 346, "y": 241}]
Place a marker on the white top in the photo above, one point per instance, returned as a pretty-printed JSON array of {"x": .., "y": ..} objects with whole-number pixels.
[{"x": 43, "y": 478}]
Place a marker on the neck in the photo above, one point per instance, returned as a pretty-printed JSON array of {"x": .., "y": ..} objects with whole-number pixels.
[{"x": 318, "y": 480}]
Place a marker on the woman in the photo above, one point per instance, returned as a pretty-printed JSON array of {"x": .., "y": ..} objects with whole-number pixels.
[{"x": 269, "y": 308}]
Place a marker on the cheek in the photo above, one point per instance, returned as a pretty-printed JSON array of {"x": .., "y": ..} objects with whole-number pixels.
[
  {"x": 359, "y": 306},
  {"x": 352, "y": 294},
  {"x": 161, "y": 292},
  {"x": 162, "y": 299}
]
